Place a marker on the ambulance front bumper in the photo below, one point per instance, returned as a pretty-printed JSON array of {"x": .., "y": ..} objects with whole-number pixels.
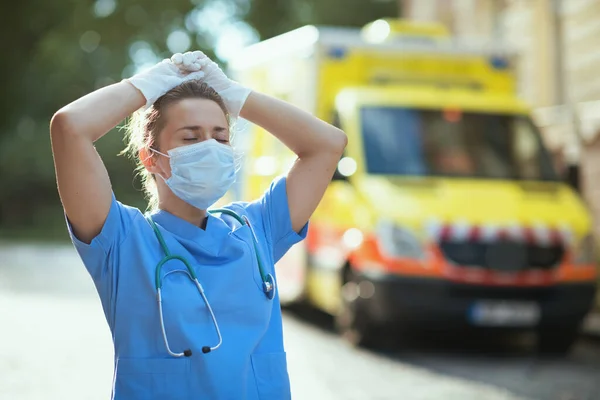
[{"x": 437, "y": 303}]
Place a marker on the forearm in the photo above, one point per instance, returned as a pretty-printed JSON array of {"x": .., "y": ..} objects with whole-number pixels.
[
  {"x": 97, "y": 113},
  {"x": 303, "y": 133}
]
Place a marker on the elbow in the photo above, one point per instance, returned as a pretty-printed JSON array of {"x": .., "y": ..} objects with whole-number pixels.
[
  {"x": 338, "y": 141},
  {"x": 329, "y": 143},
  {"x": 60, "y": 124}
]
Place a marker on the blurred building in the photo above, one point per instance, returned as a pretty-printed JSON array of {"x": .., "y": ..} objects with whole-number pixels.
[{"x": 558, "y": 59}]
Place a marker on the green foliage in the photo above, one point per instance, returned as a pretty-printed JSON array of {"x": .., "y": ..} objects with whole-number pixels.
[
  {"x": 56, "y": 51},
  {"x": 272, "y": 17},
  {"x": 49, "y": 62}
]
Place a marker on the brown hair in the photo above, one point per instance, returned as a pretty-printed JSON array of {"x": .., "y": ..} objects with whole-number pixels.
[{"x": 143, "y": 128}]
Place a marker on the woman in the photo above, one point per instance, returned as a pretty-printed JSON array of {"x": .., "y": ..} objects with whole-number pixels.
[{"x": 220, "y": 338}]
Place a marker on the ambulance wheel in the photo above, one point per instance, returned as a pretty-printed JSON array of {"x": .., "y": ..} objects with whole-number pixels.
[
  {"x": 556, "y": 341},
  {"x": 351, "y": 321}
]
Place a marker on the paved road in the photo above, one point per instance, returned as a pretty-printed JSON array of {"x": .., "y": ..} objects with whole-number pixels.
[
  {"x": 56, "y": 345},
  {"x": 500, "y": 362}
]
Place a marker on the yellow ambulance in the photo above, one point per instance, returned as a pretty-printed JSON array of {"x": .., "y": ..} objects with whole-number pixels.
[{"x": 446, "y": 211}]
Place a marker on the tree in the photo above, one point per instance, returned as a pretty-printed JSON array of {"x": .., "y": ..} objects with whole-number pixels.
[
  {"x": 272, "y": 17},
  {"x": 56, "y": 51}
]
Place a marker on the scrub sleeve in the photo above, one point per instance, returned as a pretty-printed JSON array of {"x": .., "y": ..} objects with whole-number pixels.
[
  {"x": 100, "y": 256},
  {"x": 274, "y": 211}
]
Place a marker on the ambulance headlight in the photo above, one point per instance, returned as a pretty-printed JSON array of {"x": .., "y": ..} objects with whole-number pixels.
[
  {"x": 396, "y": 241},
  {"x": 585, "y": 251}
]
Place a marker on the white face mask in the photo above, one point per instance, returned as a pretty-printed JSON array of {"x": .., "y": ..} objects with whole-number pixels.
[{"x": 201, "y": 173}]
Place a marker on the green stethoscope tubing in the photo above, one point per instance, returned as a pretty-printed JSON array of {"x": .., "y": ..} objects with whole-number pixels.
[
  {"x": 268, "y": 285},
  {"x": 267, "y": 279}
]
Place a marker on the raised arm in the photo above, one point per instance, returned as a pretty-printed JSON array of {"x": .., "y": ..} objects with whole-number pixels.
[
  {"x": 83, "y": 182},
  {"x": 317, "y": 144}
]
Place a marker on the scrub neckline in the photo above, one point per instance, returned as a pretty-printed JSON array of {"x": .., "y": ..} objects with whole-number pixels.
[{"x": 188, "y": 231}]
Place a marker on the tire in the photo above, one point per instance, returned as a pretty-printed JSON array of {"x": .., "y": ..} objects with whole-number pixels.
[
  {"x": 556, "y": 341},
  {"x": 352, "y": 322}
]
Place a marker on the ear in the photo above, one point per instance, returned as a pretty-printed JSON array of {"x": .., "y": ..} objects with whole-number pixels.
[{"x": 147, "y": 158}]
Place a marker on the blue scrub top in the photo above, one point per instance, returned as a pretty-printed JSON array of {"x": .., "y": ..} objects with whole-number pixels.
[{"x": 251, "y": 362}]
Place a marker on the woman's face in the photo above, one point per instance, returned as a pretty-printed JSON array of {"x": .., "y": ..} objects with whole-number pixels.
[{"x": 187, "y": 122}]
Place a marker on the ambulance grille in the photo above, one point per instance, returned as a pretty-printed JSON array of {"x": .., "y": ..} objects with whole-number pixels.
[{"x": 503, "y": 255}]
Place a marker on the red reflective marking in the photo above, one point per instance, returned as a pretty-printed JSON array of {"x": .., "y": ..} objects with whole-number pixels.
[
  {"x": 555, "y": 237},
  {"x": 475, "y": 233},
  {"x": 446, "y": 232},
  {"x": 529, "y": 236},
  {"x": 502, "y": 235}
]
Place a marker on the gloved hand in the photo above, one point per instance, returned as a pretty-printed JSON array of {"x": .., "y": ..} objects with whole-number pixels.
[
  {"x": 159, "y": 79},
  {"x": 189, "y": 62},
  {"x": 234, "y": 94}
]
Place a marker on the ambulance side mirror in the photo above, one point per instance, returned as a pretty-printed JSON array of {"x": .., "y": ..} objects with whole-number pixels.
[
  {"x": 572, "y": 177},
  {"x": 338, "y": 176},
  {"x": 346, "y": 167}
]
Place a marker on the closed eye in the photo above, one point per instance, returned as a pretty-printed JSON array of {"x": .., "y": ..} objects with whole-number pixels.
[{"x": 221, "y": 134}]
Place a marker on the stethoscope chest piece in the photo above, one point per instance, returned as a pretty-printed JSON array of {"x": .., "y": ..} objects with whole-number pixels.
[{"x": 269, "y": 286}]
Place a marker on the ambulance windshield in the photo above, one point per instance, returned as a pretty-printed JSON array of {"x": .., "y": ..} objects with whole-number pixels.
[{"x": 402, "y": 141}]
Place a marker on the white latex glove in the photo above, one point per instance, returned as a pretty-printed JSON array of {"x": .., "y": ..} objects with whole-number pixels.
[
  {"x": 189, "y": 61},
  {"x": 234, "y": 94},
  {"x": 159, "y": 79}
]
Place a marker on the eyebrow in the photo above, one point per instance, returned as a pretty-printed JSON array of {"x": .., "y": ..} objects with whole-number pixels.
[{"x": 197, "y": 128}]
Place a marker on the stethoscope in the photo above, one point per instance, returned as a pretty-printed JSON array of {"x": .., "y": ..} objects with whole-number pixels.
[{"x": 268, "y": 282}]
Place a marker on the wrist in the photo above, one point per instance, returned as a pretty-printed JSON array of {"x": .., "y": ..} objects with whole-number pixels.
[
  {"x": 145, "y": 87},
  {"x": 127, "y": 83},
  {"x": 235, "y": 96},
  {"x": 134, "y": 93},
  {"x": 245, "y": 109}
]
